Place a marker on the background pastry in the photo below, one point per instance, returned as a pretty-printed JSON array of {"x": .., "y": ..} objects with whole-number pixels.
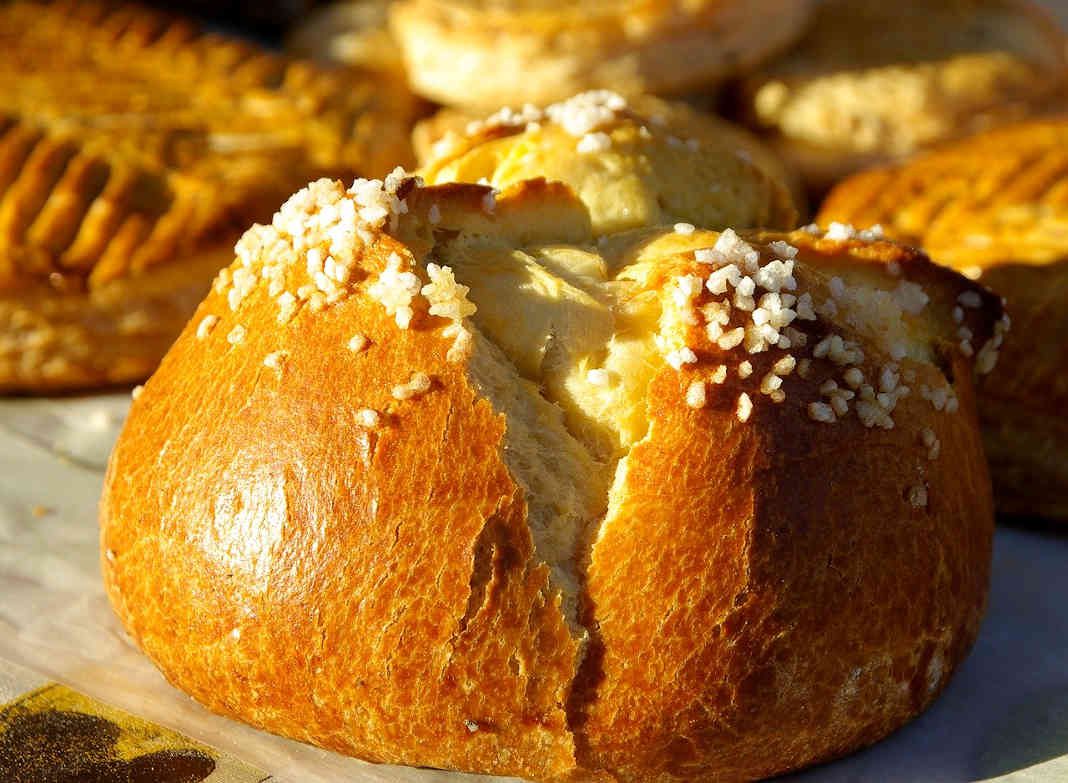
[
  {"x": 132, "y": 157},
  {"x": 528, "y": 459},
  {"x": 873, "y": 81},
  {"x": 354, "y": 33},
  {"x": 484, "y": 55},
  {"x": 635, "y": 162},
  {"x": 996, "y": 207}
]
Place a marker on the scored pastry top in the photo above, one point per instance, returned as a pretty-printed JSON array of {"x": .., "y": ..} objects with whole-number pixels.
[
  {"x": 997, "y": 198},
  {"x": 591, "y": 318},
  {"x": 166, "y": 129}
]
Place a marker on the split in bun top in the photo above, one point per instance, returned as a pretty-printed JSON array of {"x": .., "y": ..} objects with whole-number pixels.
[
  {"x": 633, "y": 162},
  {"x": 434, "y": 468}
]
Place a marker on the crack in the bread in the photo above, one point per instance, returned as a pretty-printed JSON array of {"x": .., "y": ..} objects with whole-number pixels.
[
  {"x": 541, "y": 326},
  {"x": 493, "y": 551},
  {"x": 588, "y": 671}
]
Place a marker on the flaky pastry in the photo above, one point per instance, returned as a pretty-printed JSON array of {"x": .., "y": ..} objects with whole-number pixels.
[
  {"x": 873, "y": 81},
  {"x": 134, "y": 150}
]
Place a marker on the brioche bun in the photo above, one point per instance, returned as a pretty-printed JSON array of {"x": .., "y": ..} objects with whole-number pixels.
[
  {"x": 435, "y": 477},
  {"x": 634, "y": 162},
  {"x": 482, "y": 55}
]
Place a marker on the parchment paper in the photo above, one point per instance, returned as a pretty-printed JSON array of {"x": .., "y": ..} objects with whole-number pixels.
[{"x": 1003, "y": 717}]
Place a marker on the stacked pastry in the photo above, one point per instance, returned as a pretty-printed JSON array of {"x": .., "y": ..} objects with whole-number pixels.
[
  {"x": 995, "y": 207},
  {"x": 575, "y": 490},
  {"x": 134, "y": 150},
  {"x": 871, "y": 81}
]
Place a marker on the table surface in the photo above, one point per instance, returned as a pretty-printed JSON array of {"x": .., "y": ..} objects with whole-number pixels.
[{"x": 1003, "y": 717}]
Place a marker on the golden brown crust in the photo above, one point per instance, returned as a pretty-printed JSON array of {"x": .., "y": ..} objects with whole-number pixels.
[
  {"x": 744, "y": 672},
  {"x": 872, "y": 82},
  {"x": 139, "y": 141},
  {"x": 484, "y": 55},
  {"x": 995, "y": 206},
  {"x": 378, "y": 586},
  {"x": 634, "y": 162}
]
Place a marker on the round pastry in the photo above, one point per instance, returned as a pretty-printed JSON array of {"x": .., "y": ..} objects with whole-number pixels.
[
  {"x": 873, "y": 81},
  {"x": 483, "y": 55},
  {"x": 132, "y": 157},
  {"x": 435, "y": 477},
  {"x": 994, "y": 207},
  {"x": 352, "y": 32},
  {"x": 635, "y": 162}
]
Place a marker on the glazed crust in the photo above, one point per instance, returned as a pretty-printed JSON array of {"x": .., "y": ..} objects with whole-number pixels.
[
  {"x": 138, "y": 144},
  {"x": 485, "y": 55},
  {"x": 376, "y": 590},
  {"x": 662, "y": 162},
  {"x": 736, "y": 606},
  {"x": 993, "y": 206},
  {"x": 872, "y": 82}
]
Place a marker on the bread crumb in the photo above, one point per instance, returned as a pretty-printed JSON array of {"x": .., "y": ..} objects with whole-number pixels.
[
  {"x": 358, "y": 342},
  {"x": 287, "y": 307},
  {"x": 275, "y": 360},
  {"x": 461, "y": 344},
  {"x": 821, "y": 412},
  {"x": 367, "y": 417},
  {"x": 136, "y": 391},
  {"x": 237, "y": 335},
  {"x": 840, "y": 231},
  {"x": 745, "y": 369},
  {"x": 470, "y": 725},
  {"x": 395, "y": 290},
  {"x": 918, "y": 496},
  {"x": 931, "y": 442},
  {"x": 784, "y": 366},
  {"x": 684, "y": 228},
  {"x": 418, "y": 385},
  {"x": 593, "y": 143},
  {"x": 599, "y": 377},
  {"x": 587, "y": 111},
  {"x": 731, "y": 339},
  {"x": 745, "y": 407},
  {"x": 680, "y": 356},
  {"x": 207, "y": 323},
  {"x": 696, "y": 394}
]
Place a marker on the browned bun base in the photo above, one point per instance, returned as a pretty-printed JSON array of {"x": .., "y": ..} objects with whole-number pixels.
[{"x": 757, "y": 596}]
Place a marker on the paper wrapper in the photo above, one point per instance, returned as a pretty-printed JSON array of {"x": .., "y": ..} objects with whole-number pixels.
[{"x": 1003, "y": 717}]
